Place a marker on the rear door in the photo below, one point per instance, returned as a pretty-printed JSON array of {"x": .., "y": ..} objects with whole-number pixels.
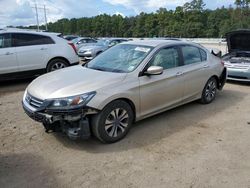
[
  {"x": 158, "y": 92},
  {"x": 32, "y": 50},
  {"x": 8, "y": 61},
  {"x": 195, "y": 70}
]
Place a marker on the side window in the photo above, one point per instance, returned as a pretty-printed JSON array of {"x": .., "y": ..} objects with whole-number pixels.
[
  {"x": 203, "y": 55},
  {"x": 91, "y": 41},
  {"x": 5, "y": 40},
  {"x": 191, "y": 55},
  {"x": 31, "y": 40},
  {"x": 166, "y": 58}
]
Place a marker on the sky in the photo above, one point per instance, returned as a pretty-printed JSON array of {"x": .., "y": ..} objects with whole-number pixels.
[{"x": 22, "y": 12}]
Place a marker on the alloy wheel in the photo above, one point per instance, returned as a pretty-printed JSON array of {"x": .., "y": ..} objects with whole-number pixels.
[
  {"x": 57, "y": 66},
  {"x": 210, "y": 90},
  {"x": 116, "y": 122}
]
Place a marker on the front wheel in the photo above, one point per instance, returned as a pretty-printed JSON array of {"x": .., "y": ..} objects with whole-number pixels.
[
  {"x": 209, "y": 92},
  {"x": 113, "y": 122}
]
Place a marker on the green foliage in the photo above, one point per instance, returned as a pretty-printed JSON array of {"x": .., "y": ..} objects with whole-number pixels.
[{"x": 189, "y": 20}]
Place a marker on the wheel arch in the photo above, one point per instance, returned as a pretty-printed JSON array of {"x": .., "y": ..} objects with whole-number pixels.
[
  {"x": 131, "y": 104},
  {"x": 217, "y": 80},
  {"x": 127, "y": 100},
  {"x": 58, "y": 57}
]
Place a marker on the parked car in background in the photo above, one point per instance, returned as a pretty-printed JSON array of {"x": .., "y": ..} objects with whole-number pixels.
[
  {"x": 127, "y": 83},
  {"x": 26, "y": 53},
  {"x": 70, "y": 37},
  {"x": 237, "y": 60},
  {"x": 88, "y": 52},
  {"x": 83, "y": 41}
]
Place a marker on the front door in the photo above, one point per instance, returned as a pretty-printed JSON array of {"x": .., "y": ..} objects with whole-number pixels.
[
  {"x": 158, "y": 92},
  {"x": 8, "y": 62}
]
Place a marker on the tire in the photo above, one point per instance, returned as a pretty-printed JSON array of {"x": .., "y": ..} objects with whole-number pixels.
[
  {"x": 107, "y": 127},
  {"x": 56, "y": 64},
  {"x": 209, "y": 92}
]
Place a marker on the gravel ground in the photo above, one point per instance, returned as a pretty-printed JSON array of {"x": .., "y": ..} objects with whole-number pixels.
[{"x": 191, "y": 146}]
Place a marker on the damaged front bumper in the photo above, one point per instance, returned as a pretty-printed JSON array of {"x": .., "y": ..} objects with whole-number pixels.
[{"x": 74, "y": 123}]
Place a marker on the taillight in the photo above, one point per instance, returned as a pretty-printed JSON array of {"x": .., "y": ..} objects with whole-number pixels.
[
  {"x": 73, "y": 46},
  {"x": 223, "y": 63}
]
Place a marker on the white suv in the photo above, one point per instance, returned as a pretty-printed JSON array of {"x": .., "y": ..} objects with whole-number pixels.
[{"x": 26, "y": 53}]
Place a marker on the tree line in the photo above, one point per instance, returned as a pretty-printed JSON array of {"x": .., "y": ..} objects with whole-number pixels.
[{"x": 190, "y": 20}]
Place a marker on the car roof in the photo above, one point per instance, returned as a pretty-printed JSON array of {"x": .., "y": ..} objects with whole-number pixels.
[
  {"x": 80, "y": 38},
  {"x": 155, "y": 43},
  {"x": 110, "y": 39},
  {"x": 29, "y": 32}
]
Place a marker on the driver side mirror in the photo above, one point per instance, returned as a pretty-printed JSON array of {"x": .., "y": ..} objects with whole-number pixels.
[{"x": 154, "y": 70}]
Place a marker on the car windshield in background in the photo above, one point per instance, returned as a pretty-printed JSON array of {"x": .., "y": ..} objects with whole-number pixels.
[
  {"x": 75, "y": 40},
  {"x": 122, "y": 58},
  {"x": 102, "y": 42}
]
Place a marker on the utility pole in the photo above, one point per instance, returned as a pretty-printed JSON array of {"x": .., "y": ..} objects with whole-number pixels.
[
  {"x": 37, "y": 20},
  {"x": 45, "y": 17}
]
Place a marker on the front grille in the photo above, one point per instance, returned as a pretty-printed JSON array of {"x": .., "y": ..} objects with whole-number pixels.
[{"x": 34, "y": 102}]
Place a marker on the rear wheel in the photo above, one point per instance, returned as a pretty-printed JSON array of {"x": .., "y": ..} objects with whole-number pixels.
[
  {"x": 113, "y": 122},
  {"x": 56, "y": 64},
  {"x": 209, "y": 91}
]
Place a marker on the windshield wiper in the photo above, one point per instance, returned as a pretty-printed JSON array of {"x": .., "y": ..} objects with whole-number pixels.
[
  {"x": 117, "y": 71},
  {"x": 97, "y": 68}
]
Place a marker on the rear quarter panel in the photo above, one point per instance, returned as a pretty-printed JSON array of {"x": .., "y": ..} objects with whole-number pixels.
[{"x": 61, "y": 48}]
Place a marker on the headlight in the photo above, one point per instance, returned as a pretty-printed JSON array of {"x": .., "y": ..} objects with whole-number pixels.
[{"x": 70, "y": 102}]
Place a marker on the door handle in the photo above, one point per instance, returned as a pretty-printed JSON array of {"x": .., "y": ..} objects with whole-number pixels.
[
  {"x": 205, "y": 66},
  {"x": 179, "y": 73},
  {"x": 8, "y": 53},
  {"x": 43, "y": 49}
]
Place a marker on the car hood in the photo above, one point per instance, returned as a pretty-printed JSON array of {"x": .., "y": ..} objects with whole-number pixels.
[
  {"x": 72, "y": 81},
  {"x": 238, "y": 40}
]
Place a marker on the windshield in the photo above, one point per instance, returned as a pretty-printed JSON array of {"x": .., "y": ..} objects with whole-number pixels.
[
  {"x": 75, "y": 40},
  {"x": 102, "y": 42},
  {"x": 122, "y": 58}
]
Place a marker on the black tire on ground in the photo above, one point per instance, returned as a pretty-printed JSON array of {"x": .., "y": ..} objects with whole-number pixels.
[
  {"x": 113, "y": 122},
  {"x": 56, "y": 64},
  {"x": 209, "y": 92}
]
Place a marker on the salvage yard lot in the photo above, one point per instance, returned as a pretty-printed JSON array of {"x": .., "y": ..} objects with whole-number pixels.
[{"x": 191, "y": 146}]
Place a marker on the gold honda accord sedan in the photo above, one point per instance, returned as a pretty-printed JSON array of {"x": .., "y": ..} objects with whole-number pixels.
[{"x": 126, "y": 83}]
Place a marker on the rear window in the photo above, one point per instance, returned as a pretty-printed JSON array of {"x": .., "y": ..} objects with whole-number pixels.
[{"x": 21, "y": 39}]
